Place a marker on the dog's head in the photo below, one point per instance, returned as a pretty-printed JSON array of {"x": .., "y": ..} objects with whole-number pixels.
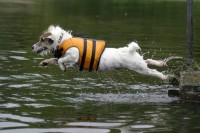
[
  {"x": 44, "y": 45},
  {"x": 50, "y": 39}
]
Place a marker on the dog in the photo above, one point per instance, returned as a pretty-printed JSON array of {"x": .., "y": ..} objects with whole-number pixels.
[{"x": 92, "y": 55}]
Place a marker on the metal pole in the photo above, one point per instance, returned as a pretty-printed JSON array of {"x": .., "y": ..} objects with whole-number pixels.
[{"x": 189, "y": 32}]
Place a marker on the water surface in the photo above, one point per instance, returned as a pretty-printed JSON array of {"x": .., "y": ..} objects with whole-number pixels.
[{"x": 35, "y": 99}]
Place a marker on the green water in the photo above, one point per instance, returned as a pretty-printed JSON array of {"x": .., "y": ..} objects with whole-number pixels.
[{"x": 35, "y": 99}]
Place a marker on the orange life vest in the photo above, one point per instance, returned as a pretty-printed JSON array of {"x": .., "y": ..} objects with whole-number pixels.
[{"x": 89, "y": 51}]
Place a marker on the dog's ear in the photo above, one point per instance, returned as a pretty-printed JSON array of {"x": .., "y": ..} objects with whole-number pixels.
[{"x": 48, "y": 36}]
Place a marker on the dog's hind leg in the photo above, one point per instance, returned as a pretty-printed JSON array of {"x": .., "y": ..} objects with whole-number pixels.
[
  {"x": 154, "y": 73},
  {"x": 159, "y": 63},
  {"x": 147, "y": 71}
]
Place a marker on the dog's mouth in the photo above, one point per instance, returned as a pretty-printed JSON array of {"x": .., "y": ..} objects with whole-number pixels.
[{"x": 41, "y": 49}]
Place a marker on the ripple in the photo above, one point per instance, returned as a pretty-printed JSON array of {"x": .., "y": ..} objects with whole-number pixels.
[
  {"x": 79, "y": 79},
  {"x": 19, "y": 52},
  {"x": 4, "y": 78},
  {"x": 12, "y": 124},
  {"x": 19, "y": 98},
  {"x": 10, "y": 105},
  {"x": 3, "y": 58},
  {"x": 98, "y": 85},
  {"x": 35, "y": 105},
  {"x": 20, "y": 85},
  {"x": 61, "y": 85},
  {"x": 19, "y": 58},
  {"x": 95, "y": 124},
  {"x": 56, "y": 130},
  {"x": 128, "y": 98},
  {"x": 34, "y": 81},
  {"x": 144, "y": 87},
  {"x": 27, "y": 76},
  {"x": 21, "y": 118},
  {"x": 142, "y": 126}
]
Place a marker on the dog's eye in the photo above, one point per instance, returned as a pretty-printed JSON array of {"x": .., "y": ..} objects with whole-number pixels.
[
  {"x": 42, "y": 39},
  {"x": 50, "y": 40}
]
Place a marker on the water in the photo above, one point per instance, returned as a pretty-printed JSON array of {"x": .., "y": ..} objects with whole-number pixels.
[{"x": 37, "y": 99}]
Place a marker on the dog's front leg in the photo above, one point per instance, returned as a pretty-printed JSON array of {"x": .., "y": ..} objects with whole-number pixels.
[
  {"x": 50, "y": 61},
  {"x": 70, "y": 58},
  {"x": 61, "y": 64}
]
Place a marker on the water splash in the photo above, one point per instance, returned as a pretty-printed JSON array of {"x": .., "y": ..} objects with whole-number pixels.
[
  {"x": 172, "y": 58},
  {"x": 174, "y": 69}
]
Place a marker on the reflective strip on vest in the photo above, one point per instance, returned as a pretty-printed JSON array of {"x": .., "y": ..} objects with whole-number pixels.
[{"x": 89, "y": 51}]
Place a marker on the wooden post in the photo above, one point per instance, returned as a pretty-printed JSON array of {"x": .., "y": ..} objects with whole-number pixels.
[
  {"x": 190, "y": 80},
  {"x": 189, "y": 32},
  {"x": 190, "y": 86}
]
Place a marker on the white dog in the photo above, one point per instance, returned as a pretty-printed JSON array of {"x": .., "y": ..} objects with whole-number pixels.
[{"x": 83, "y": 52}]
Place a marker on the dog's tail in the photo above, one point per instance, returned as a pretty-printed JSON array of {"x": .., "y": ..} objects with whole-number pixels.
[{"x": 133, "y": 47}]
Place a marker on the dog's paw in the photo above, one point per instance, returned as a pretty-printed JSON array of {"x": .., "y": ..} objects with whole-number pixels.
[
  {"x": 44, "y": 62},
  {"x": 62, "y": 67},
  {"x": 162, "y": 63}
]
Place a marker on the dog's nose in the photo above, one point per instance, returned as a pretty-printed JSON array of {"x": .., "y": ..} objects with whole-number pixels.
[{"x": 32, "y": 47}]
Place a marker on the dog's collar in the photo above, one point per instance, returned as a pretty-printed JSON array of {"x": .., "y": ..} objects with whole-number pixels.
[
  {"x": 56, "y": 52},
  {"x": 54, "y": 49},
  {"x": 60, "y": 38}
]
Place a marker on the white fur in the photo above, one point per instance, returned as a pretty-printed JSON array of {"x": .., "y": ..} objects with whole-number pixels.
[
  {"x": 56, "y": 33},
  {"x": 111, "y": 58}
]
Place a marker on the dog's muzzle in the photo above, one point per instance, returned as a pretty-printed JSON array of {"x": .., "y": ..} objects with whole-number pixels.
[
  {"x": 38, "y": 50},
  {"x": 41, "y": 49}
]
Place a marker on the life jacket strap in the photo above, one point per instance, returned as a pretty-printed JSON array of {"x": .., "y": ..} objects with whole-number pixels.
[
  {"x": 84, "y": 54},
  {"x": 93, "y": 55}
]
